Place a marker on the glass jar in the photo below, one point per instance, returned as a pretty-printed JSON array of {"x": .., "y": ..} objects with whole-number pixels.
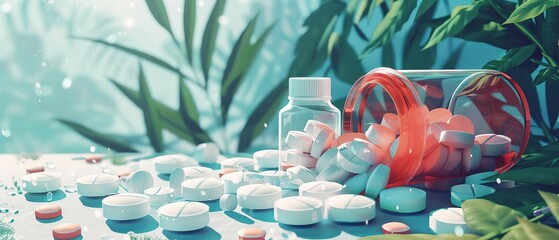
[{"x": 492, "y": 100}]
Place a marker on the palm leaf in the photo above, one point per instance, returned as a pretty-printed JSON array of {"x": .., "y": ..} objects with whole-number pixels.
[
  {"x": 189, "y": 23},
  {"x": 210, "y": 37},
  {"x": 151, "y": 115},
  {"x": 98, "y": 137},
  {"x": 158, "y": 11}
]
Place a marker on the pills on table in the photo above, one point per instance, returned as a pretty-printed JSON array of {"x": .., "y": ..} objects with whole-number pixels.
[
  {"x": 159, "y": 195},
  {"x": 242, "y": 163},
  {"x": 233, "y": 181},
  {"x": 180, "y": 174},
  {"x": 48, "y": 211},
  {"x": 461, "y": 123},
  {"x": 493, "y": 144},
  {"x": 462, "y": 192},
  {"x": 34, "y": 169},
  {"x": 125, "y": 206},
  {"x": 395, "y": 228},
  {"x": 349, "y": 161},
  {"x": 139, "y": 181},
  {"x": 206, "y": 152},
  {"x": 380, "y": 136},
  {"x": 329, "y": 158},
  {"x": 471, "y": 159},
  {"x": 403, "y": 200},
  {"x": 296, "y": 157},
  {"x": 97, "y": 185},
  {"x": 167, "y": 163},
  {"x": 439, "y": 115},
  {"x": 41, "y": 182},
  {"x": 322, "y": 142},
  {"x": 456, "y": 139},
  {"x": 391, "y": 121},
  {"x": 301, "y": 173},
  {"x": 93, "y": 159},
  {"x": 366, "y": 151},
  {"x": 202, "y": 189},
  {"x": 320, "y": 189},
  {"x": 66, "y": 231},
  {"x": 356, "y": 184},
  {"x": 184, "y": 216},
  {"x": 333, "y": 174},
  {"x": 228, "y": 202},
  {"x": 251, "y": 234},
  {"x": 299, "y": 140},
  {"x": 258, "y": 196},
  {"x": 314, "y": 127},
  {"x": 298, "y": 210},
  {"x": 435, "y": 161},
  {"x": 448, "y": 220},
  {"x": 350, "y": 208},
  {"x": 268, "y": 158},
  {"x": 377, "y": 181}
]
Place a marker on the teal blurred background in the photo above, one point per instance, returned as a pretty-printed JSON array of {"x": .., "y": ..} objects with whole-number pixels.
[{"x": 47, "y": 73}]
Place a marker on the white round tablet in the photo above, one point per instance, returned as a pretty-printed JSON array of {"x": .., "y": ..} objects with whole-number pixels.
[
  {"x": 243, "y": 163},
  {"x": 299, "y": 140},
  {"x": 184, "y": 216},
  {"x": 493, "y": 144},
  {"x": 206, "y": 152},
  {"x": 167, "y": 163},
  {"x": 159, "y": 195},
  {"x": 125, "y": 206},
  {"x": 301, "y": 173},
  {"x": 313, "y": 127},
  {"x": 322, "y": 141},
  {"x": 333, "y": 174},
  {"x": 41, "y": 182},
  {"x": 448, "y": 220},
  {"x": 268, "y": 158},
  {"x": 350, "y": 208},
  {"x": 202, "y": 189},
  {"x": 228, "y": 202},
  {"x": 275, "y": 177},
  {"x": 235, "y": 180},
  {"x": 320, "y": 189},
  {"x": 456, "y": 139},
  {"x": 139, "y": 181},
  {"x": 296, "y": 157},
  {"x": 258, "y": 196},
  {"x": 97, "y": 185},
  {"x": 380, "y": 136},
  {"x": 298, "y": 210},
  {"x": 180, "y": 174},
  {"x": 366, "y": 151}
]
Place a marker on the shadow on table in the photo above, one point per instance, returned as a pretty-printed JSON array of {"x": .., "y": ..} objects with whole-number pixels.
[
  {"x": 164, "y": 177},
  {"x": 214, "y": 205},
  {"x": 239, "y": 217},
  {"x": 80, "y": 237},
  {"x": 266, "y": 215},
  {"x": 204, "y": 233},
  {"x": 321, "y": 230},
  {"x": 42, "y": 197},
  {"x": 141, "y": 225},
  {"x": 356, "y": 229},
  {"x": 50, "y": 220},
  {"x": 92, "y": 202},
  {"x": 214, "y": 166}
]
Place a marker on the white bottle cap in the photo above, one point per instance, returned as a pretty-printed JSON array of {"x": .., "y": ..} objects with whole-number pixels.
[{"x": 309, "y": 87}]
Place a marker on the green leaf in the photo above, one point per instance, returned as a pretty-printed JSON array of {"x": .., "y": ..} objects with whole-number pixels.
[
  {"x": 487, "y": 217},
  {"x": 516, "y": 233},
  {"x": 540, "y": 175},
  {"x": 452, "y": 60},
  {"x": 262, "y": 114},
  {"x": 387, "y": 56},
  {"x": 398, "y": 14},
  {"x": 210, "y": 37},
  {"x": 530, "y": 9},
  {"x": 189, "y": 23},
  {"x": 187, "y": 105},
  {"x": 552, "y": 201},
  {"x": 240, "y": 60},
  {"x": 460, "y": 17},
  {"x": 550, "y": 34},
  {"x": 547, "y": 156},
  {"x": 363, "y": 7},
  {"x": 151, "y": 115},
  {"x": 552, "y": 98},
  {"x": 158, "y": 11},
  {"x": 551, "y": 73},
  {"x": 139, "y": 54},
  {"x": 424, "y": 7},
  {"x": 98, "y": 137},
  {"x": 420, "y": 237},
  {"x": 350, "y": 9},
  {"x": 490, "y": 32},
  {"x": 512, "y": 58},
  {"x": 345, "y": 61},
  {"x": 325, "y": 38},
  {"x": 537, "y": 231},
  {"x": 523, "y": 198}
]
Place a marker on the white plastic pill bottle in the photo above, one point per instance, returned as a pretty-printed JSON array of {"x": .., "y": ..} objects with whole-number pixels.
[
  {"x": 491, "y": 100},
  {"x": 309, "y": 99}
]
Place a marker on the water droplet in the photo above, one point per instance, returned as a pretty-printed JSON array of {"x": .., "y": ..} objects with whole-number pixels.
[
  {"x": 459, "y": 231},
  {"x": 16, "y": 211},
  {"x": 50, "y": 165},
  {"x": 70, "y": 188},
  {"x": 98, "y": 213},
  {"x": 397, "y": 207},
  {"x": 6, "y": 7},
  {"x": 265, "y": 125},
  {"x": 92, "y": 148},
  {"x": 6, "y": 133},
  {"x": 67, "y": 83},
  {"x": 49, "y": 197},
  {"x": 498, "y": 180}
]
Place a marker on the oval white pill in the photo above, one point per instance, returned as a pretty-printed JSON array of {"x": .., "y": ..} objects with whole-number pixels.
[
  {"x": 139, "y": 181},
  {"x": 228, "y": 202},
  {"x": 184, "y": 216},
  {"x": 320, "y": 189},
  {"x": 206, "y": 152},
  {"x": 447, "y": 220},
  {"x": 327, "y": 159},
  {"x": 301, "y": 173},
  {"x": 456, "y": 139},
  {"x": 41, "y": 182},
  {"x": 313, "y": 128},
  {"x": 356, "y": 184},
  {"x": 380, "y": 136},
  {"x": 493, "y": 144},
  {"x": 350, "y": 208},
  {"x": 202, "y": 189},
  {"x": 333, "y": 174},
  {"x": 242, "y": 163},
  {"x": 298, "y": 210},
  {"x": 97, "y": 185},
  {"x": 299, "y": 140},
  {"x": 235, "y": 180},
  {"x": 125, "y": 206},
  {"x": 268, "y": 158},
  {"x": 322, "y": 141},
  {"x": 159, "y": 195},
  {"x": 258, "y": 196},
  {"x": 296, "y": 157},
  {"x": 167, "y": 163}
]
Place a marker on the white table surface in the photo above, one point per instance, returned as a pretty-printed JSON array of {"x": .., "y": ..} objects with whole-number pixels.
[{"x": 87, "y": 212}]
